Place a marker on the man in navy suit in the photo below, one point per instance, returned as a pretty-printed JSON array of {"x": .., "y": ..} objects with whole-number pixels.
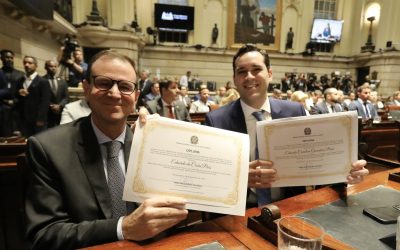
[
  {"x": 251, "y": 75},
  {"x": 33, "y": 99}
]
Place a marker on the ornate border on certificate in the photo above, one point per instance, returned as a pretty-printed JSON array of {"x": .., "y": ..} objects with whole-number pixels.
[{"x": 194, "y": 135}]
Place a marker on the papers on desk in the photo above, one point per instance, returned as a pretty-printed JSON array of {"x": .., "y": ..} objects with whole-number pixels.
[
  {"x": 310, "y": 150},
  {"x": 206, "y": 166}
]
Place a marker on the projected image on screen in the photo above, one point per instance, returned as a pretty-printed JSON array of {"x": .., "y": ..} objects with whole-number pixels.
[{"x": 326, "y": 30}]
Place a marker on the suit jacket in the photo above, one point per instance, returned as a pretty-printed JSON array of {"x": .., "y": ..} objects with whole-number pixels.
[
  {"x": 231, "y": 117},
  {"x": 322, "y": 108},
  {"x": 60, "y": 97},
  {"x": 359, "y": 107},
  {"x": 35, "y": 105},
  {"x": 180, "y": 110},
  {"x": 145, "y": 88},
  {"x": 75, "y": 110},
  {"x": 68, "y": 204}
]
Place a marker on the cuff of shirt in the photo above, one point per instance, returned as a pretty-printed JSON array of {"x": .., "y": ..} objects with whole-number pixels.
[{"x": 120, "y": 235}]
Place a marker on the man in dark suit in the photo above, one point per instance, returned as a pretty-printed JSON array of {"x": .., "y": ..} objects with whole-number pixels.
[
  {"x": 363, "y": 105},
  {"x": 13, "y": 76},
  {"x": 168, "y": 105},
  {"x": 74, "y": 199},
  {"x": 59, "y": 93},
  {"x": 252, "y": 74},
  {"x": 329, "y": 105},
  {"x": 33, "y": 99},
  {"x": 144, "y": 86}
]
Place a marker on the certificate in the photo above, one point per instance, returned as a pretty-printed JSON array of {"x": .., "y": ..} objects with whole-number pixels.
[
  {"x": 310, "y": 150},
  {"x": 206, "y": 166}
]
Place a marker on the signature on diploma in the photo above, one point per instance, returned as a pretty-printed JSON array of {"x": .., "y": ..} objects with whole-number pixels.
[{"x": 189, "y": 163}]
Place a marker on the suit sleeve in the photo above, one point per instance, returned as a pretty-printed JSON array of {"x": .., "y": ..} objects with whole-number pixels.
[
  {"x": 45, "y": 96},
  {"x": 49, "y": 225}
]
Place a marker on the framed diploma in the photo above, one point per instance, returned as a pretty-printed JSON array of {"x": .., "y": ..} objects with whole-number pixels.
[
  {"x": 206, "y": 166},
  {"x": 310, "y": 150}
]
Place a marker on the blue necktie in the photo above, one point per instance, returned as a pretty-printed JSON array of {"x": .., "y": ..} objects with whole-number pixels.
[
  {"x": 367, "y": 115},
  {"x": 263, "y": 194}
]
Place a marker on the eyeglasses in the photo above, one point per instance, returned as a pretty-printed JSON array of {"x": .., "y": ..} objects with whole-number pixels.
[{"x": 105, "y": 83}]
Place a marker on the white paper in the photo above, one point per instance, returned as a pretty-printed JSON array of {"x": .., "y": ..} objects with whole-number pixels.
[
  {"x": 310, "y": 150},
  {"x": 206, "y": 166}
]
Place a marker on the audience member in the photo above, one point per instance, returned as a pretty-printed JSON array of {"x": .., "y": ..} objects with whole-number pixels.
[
  {"x": 228, "y": 85},
  {"x": 4, "y": 93},
  {"x": 363, "y": 105},
  {"x": 395, "y": 99},
  {"x": 220, "y": 95},
  {"x": 144, "y": 86},
  {"x": 75, "y": 197},
  {"x": 183, "y": 96},
  {"x": 330, "y": 103},
  {"x": 346, "y": 102},
  {"x": 33, "y": 99},
  {"x": 277, "y": 94},
  {"x": 168, "y": 105},
  {"x": 154, "y": 92},
  {"x": 13, "y": 77},
  {"x": 376, "y": 100},
  {"x": 75, "y": 110},
  {"x": 59, "y": 94},
  {"x": 230, "y": 96},
  {"x": 185, "y": 79},
  {"x": 289, "y": 94},
  {"x": 252, "y": 74},
  {"x": 300, "y": 97},
  {"x": 203, "y": 104}
]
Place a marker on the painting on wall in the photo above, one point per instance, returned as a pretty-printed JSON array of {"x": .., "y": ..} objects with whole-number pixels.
[{"x": 254, "y": 21}]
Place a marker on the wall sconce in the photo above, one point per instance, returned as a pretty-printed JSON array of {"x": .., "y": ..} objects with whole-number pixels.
[{"x": 369, "y": 46}]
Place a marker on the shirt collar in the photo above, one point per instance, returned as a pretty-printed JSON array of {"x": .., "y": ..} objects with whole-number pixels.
[
  {"x": 362, "y": 102},
  {"x": 248, "y": 111},
  {"x": 31, "y": 77},
  {"x": 102, "y": 138}
]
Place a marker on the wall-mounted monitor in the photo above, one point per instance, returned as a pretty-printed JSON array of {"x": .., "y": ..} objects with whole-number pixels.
[
  {"x": 326, "y": 30},
  {"x": 177, "y": 17}
]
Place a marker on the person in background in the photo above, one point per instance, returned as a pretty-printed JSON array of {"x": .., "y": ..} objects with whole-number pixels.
[
  {"x": 252, "y": 74},
  {"x": 4, "y": 93},
  {"x": 395, "y": 99},
  {"x": 203, "y": 104},
  {"x": 329, "y": 105},
  {"x": 77, "y": 175},
  {"x": 277, "y": 94},
  {"x": 185, "y": 79},
  {"x": 76, "y": 68},
  {"x": 75, "y": 110},
  {"x": 168, "y": 105},
  {"x": 34, "y": 95},
  {"x": 183, "y": 96},
  {"x": 13, "y": 77},
  {"x": 59, "y": 93},
  {"x": 221, "y": 93},
  {"x": 363, "y": 105},
  {"x": 230, "y": 96},
  {"x": 301, "y": 97},
  {"x": 154, "y": 92},
  {"x": 144, "y": 86}
]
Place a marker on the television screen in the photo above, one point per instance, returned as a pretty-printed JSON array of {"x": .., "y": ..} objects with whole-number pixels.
[
  {"x": 326, "y": 30},
  {"x": 173, "y": 16}
]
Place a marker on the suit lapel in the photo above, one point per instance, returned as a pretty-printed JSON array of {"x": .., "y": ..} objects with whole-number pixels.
[
  {"x": 238, "y": 121},
  {"x": 89, "y": 154}
]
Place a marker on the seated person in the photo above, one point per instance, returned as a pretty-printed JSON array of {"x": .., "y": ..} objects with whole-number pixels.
[
  {"x": 154, "y": 92},
  {"x": 75, "y": 110},
  {"x": 203, "y": 104},
  {"x": 168, "y": 105},
  {"x": 76, "y": 181}
]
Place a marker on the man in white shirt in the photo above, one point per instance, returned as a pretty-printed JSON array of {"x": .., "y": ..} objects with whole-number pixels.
[
  {"x": 185, "y": 79},
  {"x": 203, "y": 104}
]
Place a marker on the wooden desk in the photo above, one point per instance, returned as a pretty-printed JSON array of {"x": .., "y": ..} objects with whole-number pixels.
[{"x": 232, "y": 231}]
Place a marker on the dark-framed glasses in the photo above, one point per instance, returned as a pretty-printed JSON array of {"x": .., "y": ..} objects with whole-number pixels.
[{"x": 105, "y": 83}]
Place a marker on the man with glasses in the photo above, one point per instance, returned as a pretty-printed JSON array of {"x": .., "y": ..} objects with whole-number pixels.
[{"x": 78, "y": 170}]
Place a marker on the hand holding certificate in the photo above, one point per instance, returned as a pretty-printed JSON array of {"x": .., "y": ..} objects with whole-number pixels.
[
  {"x": 206, "y": 166},
  {"x": 310, "y": 150}
]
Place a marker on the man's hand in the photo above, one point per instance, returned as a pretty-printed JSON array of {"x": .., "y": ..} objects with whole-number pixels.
[
  {"x": 23, "y": 92},
  {"x": 357, "y": 172},
  {"x": 153, "y": 216},
  {"x": 261, "y": 174},
  {"x": 55, "y": 108}
]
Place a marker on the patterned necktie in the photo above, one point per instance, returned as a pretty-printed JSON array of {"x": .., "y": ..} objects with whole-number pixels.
[
  {"x": 263, "y": 194},
  {"x": 116, "y": 179},
  {"x": 170, "y": 113}
]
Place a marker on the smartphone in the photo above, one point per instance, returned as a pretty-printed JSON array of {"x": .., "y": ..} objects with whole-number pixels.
[{"x": 384, "y": 215}]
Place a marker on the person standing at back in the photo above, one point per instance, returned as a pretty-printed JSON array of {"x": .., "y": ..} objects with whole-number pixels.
[
  {"x": 59, "y": 93},
  {"x": 363, "y": 105},
  {"x": 33, "y": 99},
  {"x": 13, "y": 77},
  {"x": 74, "y": 195},
  {"x": 251, "y": 75}
]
